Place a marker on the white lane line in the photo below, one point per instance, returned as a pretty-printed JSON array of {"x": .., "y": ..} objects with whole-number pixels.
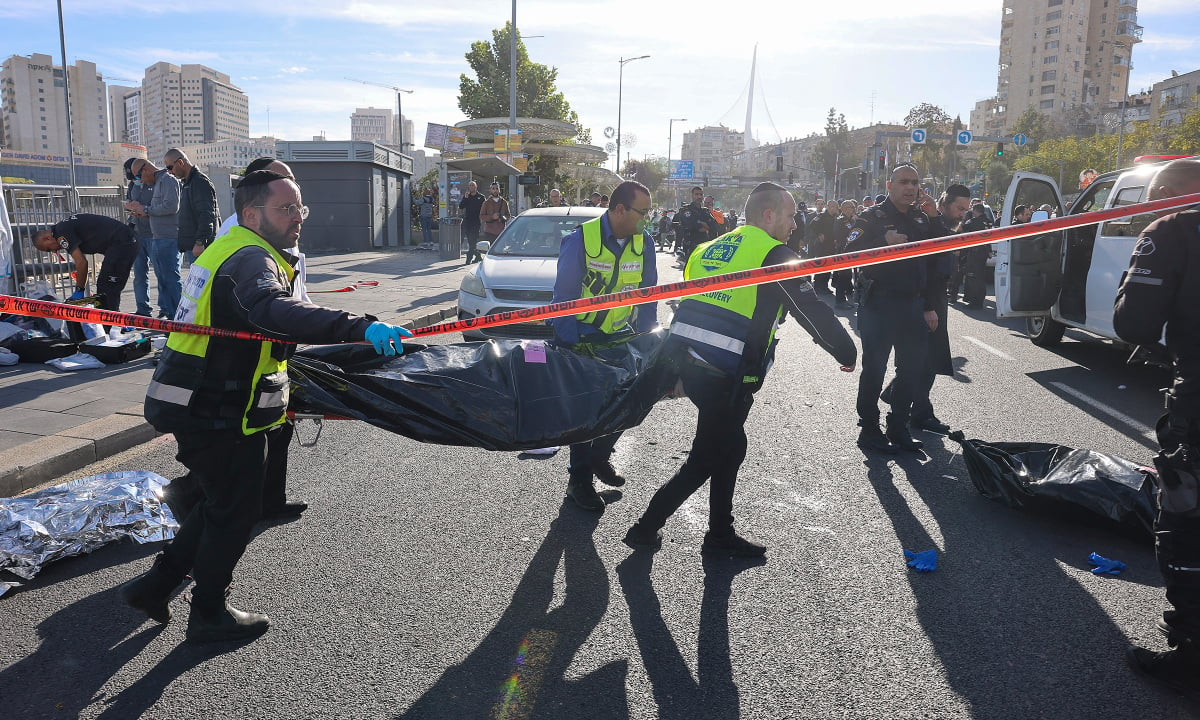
[
  {"x": 989, "y": 348},
  {"x": 1146, "y": 431}
]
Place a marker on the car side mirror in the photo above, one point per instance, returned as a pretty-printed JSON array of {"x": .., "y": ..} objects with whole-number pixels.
[
  {"x": 483, "y": 246},
  {"x": 1039, "y": 215}
]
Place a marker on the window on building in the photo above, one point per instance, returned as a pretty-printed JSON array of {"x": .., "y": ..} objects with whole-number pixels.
[
  {"x": 1047, "y": 89},
  {"x": 1052, "y": 45},
  {"x": 1053, "y": 15},
  {"x": 1050, "y": 60},
  {"x": 1048, "y": 75},
  {"x": 1046, "y": 104},
  {"x": 1052, "y": 30},
  {"x": 1054, "y": 3}
]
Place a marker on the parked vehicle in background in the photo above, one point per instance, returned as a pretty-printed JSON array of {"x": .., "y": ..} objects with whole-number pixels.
[
  {"x": 1069, "y": 278},
  {"x": 518, "y": 270}
]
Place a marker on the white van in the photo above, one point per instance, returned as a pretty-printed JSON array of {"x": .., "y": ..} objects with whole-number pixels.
[{"x": 1069, "y": 278}]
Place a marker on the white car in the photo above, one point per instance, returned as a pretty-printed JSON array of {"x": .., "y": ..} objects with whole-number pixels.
[{"x": 518, "y": 270}]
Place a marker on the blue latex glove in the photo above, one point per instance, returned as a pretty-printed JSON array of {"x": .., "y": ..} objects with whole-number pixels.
[
  {"x": 77, "y": 295},
  {"x": 387, "y": 339},
  {"x": 1104, "y": 566},
  {"x": 924, "y": 561}
]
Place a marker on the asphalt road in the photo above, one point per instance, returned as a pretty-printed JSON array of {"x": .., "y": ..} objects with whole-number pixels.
[{"x": 436, "y": 582}]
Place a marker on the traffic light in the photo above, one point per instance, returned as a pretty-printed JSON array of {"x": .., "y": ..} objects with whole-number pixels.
[
  {"x": 862, "y": 181},
  {"x": 999, "y": 149},
  {"x": 882, "y": 158},
  {"x": 790, "y": 179},
  {"x": 779, "y": 163}
]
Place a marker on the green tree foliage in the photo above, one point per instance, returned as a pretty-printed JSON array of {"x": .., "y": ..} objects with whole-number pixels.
[
  {"x": 649, "y": 173},
  {"x": 833, "y": 152},
  {"x": 934, "y": 156},
  {"x": 1036, "y": 126}
]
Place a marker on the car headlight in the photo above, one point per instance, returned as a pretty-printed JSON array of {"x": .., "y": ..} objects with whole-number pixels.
[{"x": 472, "y": 285}]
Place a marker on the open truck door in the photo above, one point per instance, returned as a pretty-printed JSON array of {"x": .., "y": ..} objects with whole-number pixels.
[{"x": 1029, "y": 270}]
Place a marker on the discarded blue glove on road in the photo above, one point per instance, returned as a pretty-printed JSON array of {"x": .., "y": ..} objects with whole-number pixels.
[
  {"x": 77, "y": 295},
  {"x": 1104, "y": 566},
  {"x": 387, "y": 339},
  {"x": 924, "y": 561}
]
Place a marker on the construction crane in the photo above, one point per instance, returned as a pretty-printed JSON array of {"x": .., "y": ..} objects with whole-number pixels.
[{"x": 399, "y": 110}]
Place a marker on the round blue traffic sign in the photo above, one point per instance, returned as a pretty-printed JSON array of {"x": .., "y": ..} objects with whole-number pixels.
[
  {"x": 1020, "y": 139},
  {"x": 964, "y": 137},
  {"x": 918, "y": 136}
]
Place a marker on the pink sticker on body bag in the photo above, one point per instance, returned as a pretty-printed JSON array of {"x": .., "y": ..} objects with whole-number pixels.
[{"x": 535, "y": 351}]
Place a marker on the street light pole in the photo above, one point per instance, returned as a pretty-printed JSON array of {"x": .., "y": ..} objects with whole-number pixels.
[
  {"x": 620, "y": 86},
  {"x": 400, "y": 118},
  {"x": 670, "y": 139},
  {"x": 512, "y": 106}
]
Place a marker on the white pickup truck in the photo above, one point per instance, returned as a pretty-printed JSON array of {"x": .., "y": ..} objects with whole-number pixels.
[{"x": 1069, "y": 278}]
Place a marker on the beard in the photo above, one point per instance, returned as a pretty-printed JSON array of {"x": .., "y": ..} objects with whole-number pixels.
[{"x": 277, "y": 236}]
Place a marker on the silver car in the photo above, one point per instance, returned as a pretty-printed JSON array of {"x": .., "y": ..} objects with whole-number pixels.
[{"x": 518, "y": 270}]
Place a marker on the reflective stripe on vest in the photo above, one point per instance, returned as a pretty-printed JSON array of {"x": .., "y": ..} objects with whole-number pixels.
[
  {"x": 719, "y": 321},
  {"x": 266, "y": 391},
  {"x": 604, "y": 274}
]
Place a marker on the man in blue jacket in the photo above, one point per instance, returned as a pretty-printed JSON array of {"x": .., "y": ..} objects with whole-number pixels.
[{"x": 604, "y": 255}]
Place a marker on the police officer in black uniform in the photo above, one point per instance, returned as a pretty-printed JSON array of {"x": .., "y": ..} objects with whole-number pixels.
[
  {"x": 892, "y": 314},
  {"x": 693, "y": 223},
  {"x": 1158, "y": 290},
  {"x": 85, "y": 234}
]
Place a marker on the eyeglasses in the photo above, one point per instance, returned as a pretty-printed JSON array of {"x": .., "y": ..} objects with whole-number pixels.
[
  {"x": 292, "y": 209},
  {"x": 640, "y": 212},
  {"x": 171, "y": 164},
  {"x": 137, "y": 172}
]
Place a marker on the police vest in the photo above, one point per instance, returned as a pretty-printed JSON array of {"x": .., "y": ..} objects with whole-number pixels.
[
  {"x": 605, "y": 274},
  {"x": 719, "y": 323},
  {"x": 211, "y": 383}
]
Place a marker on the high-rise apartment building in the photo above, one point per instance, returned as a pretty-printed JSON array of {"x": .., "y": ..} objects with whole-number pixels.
[
  {"x": 1068, "y": 59},
  {"x": 32, "y": 102},
  {"x": 711, "y": 150},
  {"x": 379, "y": 125},
  {"x": 189, "y": 105}
]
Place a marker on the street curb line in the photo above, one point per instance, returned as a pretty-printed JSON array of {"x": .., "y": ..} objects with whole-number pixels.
[{"x": 35, "y": 463}]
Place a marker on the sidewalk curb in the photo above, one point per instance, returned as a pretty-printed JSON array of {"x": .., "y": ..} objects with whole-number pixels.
[{"x": 35, "y": 463}]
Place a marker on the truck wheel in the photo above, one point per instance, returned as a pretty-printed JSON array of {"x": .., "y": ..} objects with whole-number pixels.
[{"x": 1044, "y": 331}]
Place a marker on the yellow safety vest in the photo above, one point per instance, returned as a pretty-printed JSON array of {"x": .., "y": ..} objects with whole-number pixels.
[
  {"x": 604, "y": 274},
  {"x": 185, "y": 383}
]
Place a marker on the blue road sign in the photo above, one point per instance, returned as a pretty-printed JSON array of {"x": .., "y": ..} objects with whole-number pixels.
[
  {"x": 1020, "y": 139},
  {"x": 964, "y": 137},
  {"x": 918, "y": 136},
  {"x": 682, "y": 169}
]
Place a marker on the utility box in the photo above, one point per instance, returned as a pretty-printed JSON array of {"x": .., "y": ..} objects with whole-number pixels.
[{"x": 357, "y": 192}]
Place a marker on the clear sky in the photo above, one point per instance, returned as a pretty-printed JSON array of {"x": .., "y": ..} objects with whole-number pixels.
[{"x": 872, "y": 60}]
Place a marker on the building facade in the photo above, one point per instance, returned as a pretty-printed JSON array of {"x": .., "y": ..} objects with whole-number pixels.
[
  {"x": 711, "y": 150},
  {"x": 188, "y": 105},
  {"x": 32, "y": 106},
  {"x": 1067, "y": 59},
  {"x": 1174, "y": 98},
  {"x": 233, "y": 153}
]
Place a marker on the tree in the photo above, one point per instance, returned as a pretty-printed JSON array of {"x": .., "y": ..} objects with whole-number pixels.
[
  {"x": 832, "y": 154},
  {"x": 1036, "y": 126},
  {"x": 932, "y": 157},
  {"x": 486, "y": 95},
  {"x": 649, "y": 173}
]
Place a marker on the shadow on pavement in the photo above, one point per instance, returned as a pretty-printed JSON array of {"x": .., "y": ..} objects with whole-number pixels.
[
  {"x": 713, "y": 694},
  {"x": 519, "y": 670},
  {"x": 1016, "y": 635}
]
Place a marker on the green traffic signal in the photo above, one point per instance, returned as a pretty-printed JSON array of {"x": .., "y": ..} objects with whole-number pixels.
[{"x": 999, "y": 149}]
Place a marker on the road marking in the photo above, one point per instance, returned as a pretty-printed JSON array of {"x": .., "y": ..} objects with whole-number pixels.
[
  {"x": 1108, "y": 410},
  {"x": 989, "y": 348}
]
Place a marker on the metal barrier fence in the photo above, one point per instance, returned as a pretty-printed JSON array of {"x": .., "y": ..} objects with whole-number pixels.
[{"x": 33, "y": 207}]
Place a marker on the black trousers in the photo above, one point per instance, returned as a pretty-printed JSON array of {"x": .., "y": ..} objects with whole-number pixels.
[
  {"x": 586, "y": 454},
  {"x": 229, "y": 468},
  {"x": 717, "y": 450},
  {"x": 1177, "y": 542},
  {"x": 886, "y": 323},
  {"x": 470, "y": 236},
  {"x": 114, "y": 272},
  {"x": 184, "y": 492}
]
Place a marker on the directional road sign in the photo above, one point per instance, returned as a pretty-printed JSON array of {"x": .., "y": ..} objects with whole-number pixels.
[
  {"x": 1020, "y": 139},
  {"x": 682, "y": 169},
  {"x": 918, "y": 136},
  {"x": 964, "y": 137}
]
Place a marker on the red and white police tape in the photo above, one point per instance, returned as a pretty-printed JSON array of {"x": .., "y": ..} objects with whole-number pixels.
[{"x": 638, "y": 296}]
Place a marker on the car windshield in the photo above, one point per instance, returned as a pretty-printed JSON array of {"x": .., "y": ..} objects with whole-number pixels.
[{"x": 535, "y": 235}]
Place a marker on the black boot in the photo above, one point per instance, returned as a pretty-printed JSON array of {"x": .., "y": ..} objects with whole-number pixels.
[
  {"x": 228, "y": 623},
  {"x": 898, "y": 433},
  {"x": 151, "y": 591},
  {"x": 606, "y": 473},
  {"x": 642, "y": 535},
  {"x": 1178, "y": 669},
  {"x": 732, "y": 544},
  {"x": 584, "y": 494},
  {"x": 871, "y": 438}
]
